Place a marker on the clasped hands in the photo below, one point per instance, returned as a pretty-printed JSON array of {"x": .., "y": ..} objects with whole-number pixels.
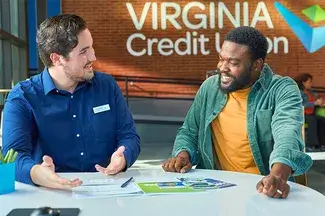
[{"x": 44, "y": 174}]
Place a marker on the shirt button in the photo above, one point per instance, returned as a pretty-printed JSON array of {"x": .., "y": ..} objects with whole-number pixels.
[
  {"x": 81, "y": 153},
  {"x": 74, "y": 116},
  {"x": 78, "y": 135},
  {"x": 57, "y": 91},
  {"x": 71, "y": 96}
]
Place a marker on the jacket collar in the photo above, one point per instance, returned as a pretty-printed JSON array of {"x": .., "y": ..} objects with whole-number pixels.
[{"x": 265, "y": 76}]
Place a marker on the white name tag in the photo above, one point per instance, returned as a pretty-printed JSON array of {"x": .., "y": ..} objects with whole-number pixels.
[{"x": 102, "y": 108}]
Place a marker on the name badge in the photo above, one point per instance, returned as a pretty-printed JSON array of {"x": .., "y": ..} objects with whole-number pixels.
[{"x": 101, "y": 108}]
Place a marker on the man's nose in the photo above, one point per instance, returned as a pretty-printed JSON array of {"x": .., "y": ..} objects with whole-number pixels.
[
  {"x": 92, "y": 55},
  {"x": 223, "y": 66},
  {"x": 92, "y": 58}
]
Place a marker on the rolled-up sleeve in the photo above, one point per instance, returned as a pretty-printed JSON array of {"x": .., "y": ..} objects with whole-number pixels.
[
  {"x": 18, "y": 128},
  {"x": 127, "y": 135},
  {"x": 287, "y": 125}
]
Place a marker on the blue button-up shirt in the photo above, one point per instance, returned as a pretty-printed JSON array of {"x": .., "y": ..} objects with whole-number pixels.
[{"x": 77, "y": 130}]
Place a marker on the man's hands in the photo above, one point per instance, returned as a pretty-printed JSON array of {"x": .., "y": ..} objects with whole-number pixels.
[
  {"x": 117, "y": 164},
  {"x": 273, "y": 186},
  {"x": 44, "y": 175},
  {"x": 320, "y": 102},
  {"x": 181, "y": 163}
]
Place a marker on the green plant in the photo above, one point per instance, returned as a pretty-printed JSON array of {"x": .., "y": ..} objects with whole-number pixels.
[{"x": 9, "y": 158}]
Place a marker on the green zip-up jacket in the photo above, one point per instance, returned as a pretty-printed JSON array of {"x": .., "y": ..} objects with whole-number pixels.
[{"x": 274, "y": 124}]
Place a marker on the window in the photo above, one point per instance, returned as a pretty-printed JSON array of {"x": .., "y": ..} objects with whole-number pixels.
[
  {"x": 15, "y": 64},
  {"x": 13, "y": 44},
  {"x": 5, "y": 15},
  {"x": 1, "y": 63},
  {"x": 1, "y": 73},
  {"x": 22, "y": 19},
  {"x": 0, "y": 15},
  {"x": 14, "y": 18}
]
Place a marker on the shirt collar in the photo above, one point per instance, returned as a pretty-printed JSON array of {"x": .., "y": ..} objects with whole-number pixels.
[
  {"x": 49, "y": 85},
  {"x": 47, "y": 81}
]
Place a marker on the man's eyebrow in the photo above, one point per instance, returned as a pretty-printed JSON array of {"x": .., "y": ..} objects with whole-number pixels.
[
  {"x": 234, "y": 59},
  {"x": 230, "y": 59},
  {"x": 85, "y": 48}
]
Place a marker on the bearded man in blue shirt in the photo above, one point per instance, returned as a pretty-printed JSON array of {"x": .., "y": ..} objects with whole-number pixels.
[{"x": 68, "y": 118}]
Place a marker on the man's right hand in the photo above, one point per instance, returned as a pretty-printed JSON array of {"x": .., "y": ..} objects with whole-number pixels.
[
  {"x": 44, "y": 175},
  {"x": 320, "y": 102},
  {"x": 181, "y": 163}
]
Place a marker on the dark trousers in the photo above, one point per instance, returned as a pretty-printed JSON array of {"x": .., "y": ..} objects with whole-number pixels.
[
  {"x": 312, "y": 138},
  {"x": 321, "y": 130}
]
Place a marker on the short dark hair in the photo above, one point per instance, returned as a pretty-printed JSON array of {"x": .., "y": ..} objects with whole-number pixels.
[
  {"x": 251, "y": 37},
  {"x": 301, "y": 78},
  {"x": 58, "y": 34}
]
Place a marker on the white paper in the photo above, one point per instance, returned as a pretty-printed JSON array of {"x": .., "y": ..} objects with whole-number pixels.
[
  {"x": 94, "y": 191},
  {"x": 98, "y": 182}
]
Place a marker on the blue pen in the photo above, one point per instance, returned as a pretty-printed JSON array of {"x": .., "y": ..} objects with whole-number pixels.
[{"x": 126, "y": 183}]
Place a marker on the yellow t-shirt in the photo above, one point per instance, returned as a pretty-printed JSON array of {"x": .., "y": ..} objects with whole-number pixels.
[{"x": 229, "y": 133}]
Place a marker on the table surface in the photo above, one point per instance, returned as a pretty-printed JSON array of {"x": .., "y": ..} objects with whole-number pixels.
[
  {"x": 317, "y": 155},
  {"x": 240, "y": 200}
]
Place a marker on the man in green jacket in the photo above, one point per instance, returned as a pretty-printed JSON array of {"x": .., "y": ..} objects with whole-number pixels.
[{"x": 245, "y": 119}]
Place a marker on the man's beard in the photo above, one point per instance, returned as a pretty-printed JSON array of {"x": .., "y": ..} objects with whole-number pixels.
[
  {"x": 238, "y": 83},
  {"x": 74, "y": 77}
]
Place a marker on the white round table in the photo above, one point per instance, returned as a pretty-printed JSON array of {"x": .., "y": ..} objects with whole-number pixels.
[{"x": 240, "y": 200}]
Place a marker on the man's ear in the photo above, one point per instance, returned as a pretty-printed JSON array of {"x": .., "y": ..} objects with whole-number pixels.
[
  {"x": 258, "y": 65},
  {"x": 56, "y": 59}
]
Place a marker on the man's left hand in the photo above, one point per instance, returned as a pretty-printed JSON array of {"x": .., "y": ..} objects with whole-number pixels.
[
  {"x": 116, "y": 165},
  {"x": 273, "y": 186}
]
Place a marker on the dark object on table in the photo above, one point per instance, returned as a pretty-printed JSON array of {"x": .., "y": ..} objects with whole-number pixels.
[{"x": 45, "y": 211}]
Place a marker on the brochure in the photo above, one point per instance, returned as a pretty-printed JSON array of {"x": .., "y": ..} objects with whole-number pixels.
[
  {"x": 164, "y": 187},
  {"x": 183, "y": 185},
  {"x": 204, "y": 183}
]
